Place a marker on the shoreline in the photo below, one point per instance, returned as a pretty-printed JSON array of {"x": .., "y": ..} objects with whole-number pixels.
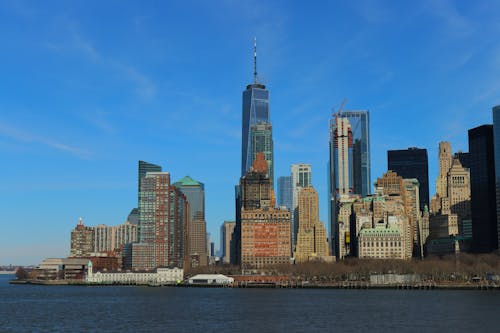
[{"x": 341, "y": 285}]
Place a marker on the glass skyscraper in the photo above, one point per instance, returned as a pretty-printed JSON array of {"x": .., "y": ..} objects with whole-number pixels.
[
  {"x": 482, "y": 184},
  {"x": 195, "y": 194},
  {"x": 349, "y": 162},
  {"x": 285, "y": 192},
  {"x": 496, "y": 145},
  {"x": 360, "y": 127},
  {"x": 261, "y": 138},
  {"x": 412, "y": 163},
  {"x": 255, "y": 110}
]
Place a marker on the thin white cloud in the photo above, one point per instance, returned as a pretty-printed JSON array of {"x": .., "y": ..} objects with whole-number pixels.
[
  {"x": 145, "y": 87},
  {"x": 32, "y": 138}
]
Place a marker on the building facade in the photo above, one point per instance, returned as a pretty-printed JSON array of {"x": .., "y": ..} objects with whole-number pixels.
[
  {"x": 311, "y": 237},
  {"x": 261, "y": 141},
  {"x": 255, "y": 110},
  {"x": 451, "y": 205},
  {"x": 196, "y": 241},
  {"x": 412, "y": 163},
  {"x": 301, "y": 174},
  {"x": 163, "y": 220},
  {"x": 483, "y": 197},
  {"x": 348, "y": 168},
  {"x": 285, "y": 192},
  {"x": 82, "y": 240},
  {"x": 227, "y": 230},
  {"x": 265, "y": 230}
]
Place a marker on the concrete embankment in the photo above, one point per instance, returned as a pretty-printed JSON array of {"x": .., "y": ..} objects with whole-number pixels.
[{"x": 287, "y": 285}]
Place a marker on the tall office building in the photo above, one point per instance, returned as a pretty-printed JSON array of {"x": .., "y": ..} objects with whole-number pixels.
[
  {"x": 265, "y": 230},
  {"x": 255, "y": 110},
  {"x": 301, "y": 178},
  {"x": 197, "y": 241},
  {"x": 412, "y": 163},
  {"x": 197, "y": 245},
  {"x": 464, "y": 158},
  {"x": 311, "y": 237},
  {"x": 348, "y": 167},
  {"x": 82, "y": 240},
  {"x": 145, "y": 167},
  {"x": 496, "y": 146},
  {"x": 195, "y": 194},
  {"x": 163, "y": 219},
  {"x": 261, "y": 141},
  {"x": 285, "y": 192},
  {"x": 483, "y": 197},
  {"x": 226, "y": 231},
  {"x": 450, "y": 225}
]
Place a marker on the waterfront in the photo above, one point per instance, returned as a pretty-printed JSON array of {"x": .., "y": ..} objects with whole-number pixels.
[{"x": 29, "y": 308}]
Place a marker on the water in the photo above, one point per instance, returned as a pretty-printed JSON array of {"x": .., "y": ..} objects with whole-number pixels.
[{"x": 29, "y": 308}]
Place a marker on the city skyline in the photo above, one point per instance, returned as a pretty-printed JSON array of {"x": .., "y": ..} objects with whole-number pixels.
[{"x": 80, "y": 109}]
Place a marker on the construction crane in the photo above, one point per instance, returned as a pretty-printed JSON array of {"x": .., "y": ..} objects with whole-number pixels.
[{"x": 341, "y": 107}]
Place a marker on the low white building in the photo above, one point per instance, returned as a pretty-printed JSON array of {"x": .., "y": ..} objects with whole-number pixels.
[
  {"x": 162, "y": 276},
  {"x": 210, "y": 279}
]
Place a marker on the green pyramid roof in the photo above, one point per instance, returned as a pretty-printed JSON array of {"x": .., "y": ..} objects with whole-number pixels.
[{"x": 187, "y": 181}]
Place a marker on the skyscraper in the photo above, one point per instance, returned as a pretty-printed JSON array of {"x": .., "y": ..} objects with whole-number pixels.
[
  {"x": 301, "y": 178},
  {"x": 285, "y": 192},
  {"x": 412, "y": 163},
  {"x": 311, "y": 236},
  {"x": 82, "y": 240},
  {"x": 349, "y": 164},
  {"x": 255, "y": 110},
  {"x": 265, "y": 230},
  {"x": 197, "y": 245},
  {"x": 227, "y": 230},
  {"x": 261, "y": 139},
  {"x": 496, "y": 145},
  {"x": 483, "y": 197},
  {"x": 145, "y": 167},
  {"x": 163, "y": 222}
]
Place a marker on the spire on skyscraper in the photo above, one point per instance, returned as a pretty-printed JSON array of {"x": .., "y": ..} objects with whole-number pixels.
[{"x": 255, "y": 60}]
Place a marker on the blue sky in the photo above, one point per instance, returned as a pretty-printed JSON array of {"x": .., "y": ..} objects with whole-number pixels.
[{"x": 90, "y": 87}]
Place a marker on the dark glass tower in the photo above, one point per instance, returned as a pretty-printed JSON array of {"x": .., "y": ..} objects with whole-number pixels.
[
  {"x": 255, "y": 110},
  {"x": 482, "y": 183},
  {"x": 412, "y": 163},
  {"x": 496, "y": 146}
]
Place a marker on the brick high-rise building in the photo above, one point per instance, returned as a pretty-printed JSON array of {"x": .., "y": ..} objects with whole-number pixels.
[
  {"x": 265, "y": 230},
  {"x": 163, "y": 219},
  {"x": 82, "y": 240}
]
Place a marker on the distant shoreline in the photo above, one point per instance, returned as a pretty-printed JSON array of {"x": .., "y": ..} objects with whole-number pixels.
[
  {"x": 7, "y": 272},
  {"x": 344, "y": 285}
]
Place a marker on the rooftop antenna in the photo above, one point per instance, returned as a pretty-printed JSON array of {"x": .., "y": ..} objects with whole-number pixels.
[{"x": 255, "y": 60}]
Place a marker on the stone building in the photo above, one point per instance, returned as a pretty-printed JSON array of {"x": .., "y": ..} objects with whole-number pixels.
[
  {"x": 311, "y": 240},
  {"x": 450, "y": 215}
]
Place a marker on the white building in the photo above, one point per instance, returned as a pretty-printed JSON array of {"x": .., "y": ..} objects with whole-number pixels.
[
  {"x": 210, "y": 279},
  {"x": 162, "y": 276}
]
